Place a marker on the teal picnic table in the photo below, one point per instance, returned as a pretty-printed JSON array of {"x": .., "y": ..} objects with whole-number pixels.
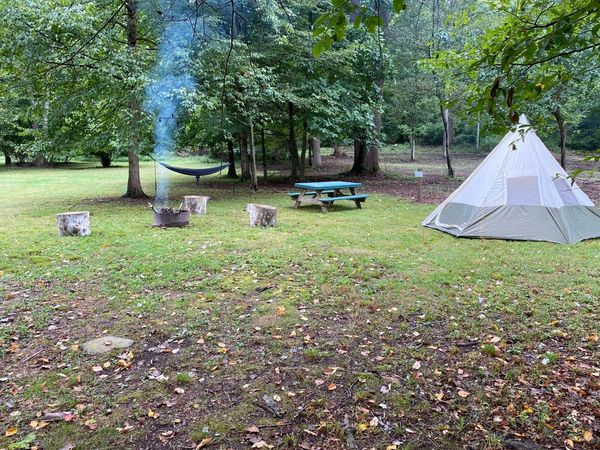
[{"x": 325, "y": 193}]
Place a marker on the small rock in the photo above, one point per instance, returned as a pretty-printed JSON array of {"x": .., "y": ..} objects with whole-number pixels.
[
  {"x": 513, "y": 444},
  {"x": 105, "y": 344}
]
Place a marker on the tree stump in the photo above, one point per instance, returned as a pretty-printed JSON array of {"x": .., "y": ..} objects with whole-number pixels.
[
  {"x": 262, "y": 215},
  {"x": 73, "y": 223},
  {"x": 196, "y": 204}
]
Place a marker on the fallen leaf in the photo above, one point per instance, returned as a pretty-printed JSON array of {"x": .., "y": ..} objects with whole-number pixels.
[
  {"x": 330, "y": 370},
  {"x": 261, "y": 444},
  {"x": 204, "y": 443},
  {"x": 332, "y": 387},
  {"x": 179, "y": 390},
  {"x": 374, "y": 422},
  {"x": 152, "y": 414},
  {"x": 463, "y": 394},
  {"x": 281, "y": 310},
  {"x": 11, "y": 431},
  {"x": 362, "y": 426},
  {"x": 416, "y": 365},
  {"x": 319, "y": 382},
  {"x": 439, "y": 396},
  {"x": 97, "y": 369},
  {"x": 126, "y": 427},
  {"x": 38, "y": 425},
  {"x": 252, "y": 429},
  {"x": 588, "y": 436},
  {"x": 527, "y": 409}
]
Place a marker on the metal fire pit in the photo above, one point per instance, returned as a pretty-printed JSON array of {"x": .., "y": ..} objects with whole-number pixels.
[{"x": 167, "y": 217}]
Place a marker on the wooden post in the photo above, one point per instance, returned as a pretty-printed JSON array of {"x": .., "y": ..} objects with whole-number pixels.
[
  {"x": 262, "y": 215},
  {"x": 73, "y": 223},
  {"x": 196, "y": 204},
  {"x": 419, "y": 177}
]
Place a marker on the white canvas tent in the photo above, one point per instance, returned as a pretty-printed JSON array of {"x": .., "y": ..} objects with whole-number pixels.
[{"x": 519, "y": 192}]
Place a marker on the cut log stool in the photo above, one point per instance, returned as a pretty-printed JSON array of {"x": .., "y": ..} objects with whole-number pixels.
[
  {"x": 262, "y": 215},
  {"x": 73, "y": 223},
  {"x": 196, "y": 204}
]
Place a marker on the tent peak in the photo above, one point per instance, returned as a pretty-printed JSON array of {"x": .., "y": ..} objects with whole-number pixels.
[{"x": 523, "y": 120}]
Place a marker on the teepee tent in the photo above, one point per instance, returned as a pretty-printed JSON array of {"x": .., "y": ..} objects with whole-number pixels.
[{"x": 519, "y": 192}]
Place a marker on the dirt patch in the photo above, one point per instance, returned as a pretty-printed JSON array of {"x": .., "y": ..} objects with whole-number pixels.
[{"x": 397, "y": 175}]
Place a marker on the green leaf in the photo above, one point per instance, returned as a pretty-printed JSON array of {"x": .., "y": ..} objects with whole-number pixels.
[
  {"x": 318, "y": 48},
  {"x": 399, "y": 5}
]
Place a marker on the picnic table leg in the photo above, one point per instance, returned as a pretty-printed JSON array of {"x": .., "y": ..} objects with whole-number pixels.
[
  {"x": 356, "y": 202},
  {"x": 324, "y": 208},
  {"x": 298, "y": 199}
]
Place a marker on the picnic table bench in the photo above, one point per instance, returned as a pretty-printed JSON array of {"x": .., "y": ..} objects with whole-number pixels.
[{"x": 313, "y": 193}]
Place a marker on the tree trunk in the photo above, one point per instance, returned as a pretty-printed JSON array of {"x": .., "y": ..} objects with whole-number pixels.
[
  {"x": 560, "y": 121},
  {"x": 292, "y": 142},
  {"x": 316, "y": 146},
  {"x": 450, "y": 119},
  {"x": 231, "y": 172},
  {"x": 337, "y": 151},
  {"x": 360, "y": 154},
  {"x": 412, "y": 146},
  {"x": 304, "y": 146},
  {"x": 477, "y": 137},
  {"x": 253, "y": 176},
  {"x": 7, "y": 158},
  {"x": 105, "y": 159},
  {"x": 244, "y": 156},
  {"x": 372, "y": 156},
  {"x": 134, "y": 184},
  {"x": 447, "y": 141},
  {"x": 264, "y": 153}
]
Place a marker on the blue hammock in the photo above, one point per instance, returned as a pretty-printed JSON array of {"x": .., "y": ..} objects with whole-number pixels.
[{"x": 193, "y": 172}]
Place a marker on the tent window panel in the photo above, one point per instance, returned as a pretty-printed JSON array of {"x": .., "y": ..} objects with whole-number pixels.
[
  {"x": 565, "y": 191},
  {"x": 522, "y": 191}
]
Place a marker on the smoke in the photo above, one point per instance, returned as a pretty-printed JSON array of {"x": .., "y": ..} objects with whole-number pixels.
[{"x": 171, "y": 81}]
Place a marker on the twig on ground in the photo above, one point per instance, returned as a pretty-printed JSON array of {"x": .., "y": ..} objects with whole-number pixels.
[{"x": 31, "y": 356}]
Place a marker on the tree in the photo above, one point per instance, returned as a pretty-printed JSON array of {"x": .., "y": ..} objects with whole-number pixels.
[
  {"x": 69, "y": 68},
  {"x": 134, "y": 184}
]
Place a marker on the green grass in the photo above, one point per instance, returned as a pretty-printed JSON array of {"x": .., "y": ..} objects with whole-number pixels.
[{"x": 367, "y": 292}]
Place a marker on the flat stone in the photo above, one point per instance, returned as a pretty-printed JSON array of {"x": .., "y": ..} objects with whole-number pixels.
[
  {"x": 513, "y": 444},
  {"x": 105, "y": 344}
]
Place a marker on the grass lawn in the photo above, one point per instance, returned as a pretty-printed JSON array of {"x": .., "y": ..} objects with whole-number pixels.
[{"x": 355, "y": 329}]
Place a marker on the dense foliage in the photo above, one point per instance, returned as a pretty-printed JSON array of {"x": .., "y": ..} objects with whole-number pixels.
[{"x": 269, "y": 75}]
